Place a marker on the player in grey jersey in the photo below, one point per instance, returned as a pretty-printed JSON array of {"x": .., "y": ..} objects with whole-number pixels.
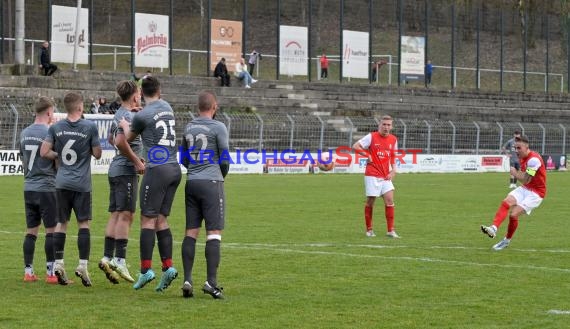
[
  {"x": 39, "y": 190},
  {"x": 155, "y": 124},
  {"x": 509, "y": 149},
  {"x": 72, "y": 141},
  {"x": 205, "y": 154},
  {"x": 123, "y": 186}
]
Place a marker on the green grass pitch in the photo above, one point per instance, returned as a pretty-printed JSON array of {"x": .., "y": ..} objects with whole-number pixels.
[{"x": 294, "y": 255}]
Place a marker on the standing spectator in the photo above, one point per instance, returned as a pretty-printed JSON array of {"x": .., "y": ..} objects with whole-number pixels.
[
  {"x": 123, "y": 186},
  {"x": 39, "y": 190},
  {"x": 523, "y": 199},
  {"x": 45, "y": 60},
  {"x": 509, "y": 149},
  {"x": 94, "y": 108},
  {"x": 205, "y": 198},
  {"x": 324, "y": 66},
  {"x": 72, "y": 141},
  {"x": 253, "y": 58},
  {"x": 104, "y": 106},
  {"x": 429, "y": 71},
  {"x": 155, "y": 124},
  {"x": 379, "y": 146},
  {"x": 376, "y": 68},
  {"x": 242, "y": 74},
  {"x": 221, "y": 72}
]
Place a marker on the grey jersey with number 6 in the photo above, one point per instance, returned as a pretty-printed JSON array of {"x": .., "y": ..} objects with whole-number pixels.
[
  {"x": 205, "y": 141},
  {"x": 73, "y": 142},
  {"x": 39, "y": 173},
  {"x": 155, "y": 123},
  {"x": 121, "y": 165}
]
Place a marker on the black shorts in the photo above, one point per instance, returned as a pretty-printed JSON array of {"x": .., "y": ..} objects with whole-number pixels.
[
  {"x": 40, "y": 206},
  {"x": 205, "y": 200},
  {"x": 79, "y": 202},
  {"x": 123, "y": 193},
  {"x": 158, "y": 189}
]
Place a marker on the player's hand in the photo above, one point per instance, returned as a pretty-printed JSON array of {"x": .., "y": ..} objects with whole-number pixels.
[
  {"x": 391, "y": 175},
  {"x": 139, "y": 167}
]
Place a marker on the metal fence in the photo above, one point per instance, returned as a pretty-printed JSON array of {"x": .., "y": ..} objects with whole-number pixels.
[{"x": 282, "y": 131}]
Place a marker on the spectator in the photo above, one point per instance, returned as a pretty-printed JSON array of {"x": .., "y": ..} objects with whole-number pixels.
[
  {"x": 324, "y": 66},
  {"x": 45, "y": 60},
  {"x": 375, "y": 68},
  {"x": 115, "y": 106},
  {"x": 242, "y": 74},
  {"x": 221, "y": 72},
  {"x": 104, "y": 106},
  {"x": 429, "y": 70},
  {"x": 253, "y": 58},
  {"x": 94, "y": 108}
]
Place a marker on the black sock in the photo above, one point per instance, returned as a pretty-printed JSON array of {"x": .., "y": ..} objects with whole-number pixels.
[
  {"x": 84, "y": 243},
  {"x": 164, "y": 238},
  {"x": 109, "y": 247},
  {"x": 212, "y": 260},
  {"x": 58, "y": 244},
  {"x": 188, "y": 253},
  {"x": 121, "y": 248},
  {"x": 48, "y": 248},
  {"x": 29, "y": 248},
  {"x": 146, "y": 247}
]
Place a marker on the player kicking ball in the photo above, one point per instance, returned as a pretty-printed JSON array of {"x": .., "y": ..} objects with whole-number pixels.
[{"x": 523, "y": 199}]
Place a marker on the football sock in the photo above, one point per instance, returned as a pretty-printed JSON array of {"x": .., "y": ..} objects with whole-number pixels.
[
  {"x": 188, "y": 254},
  {"x": 29, "y": 270},
  {"x": 513, "y": 224},
  {"x": 49, "y": 268},
  {"x": 121, "y": 248},
  {"x": 389, "y": 217},
  {"x": 109, "y": 247},
  {"x": 212, "y": 260},
  {"x": 84, "y": 243},
  {"x": 59, "y": 244},
  {"x": 368, "y": 217},
  {"x": 164, "y": 238},
  {"x": 48, "y": 248},
  {"x": 29, "y": 248},
  {"x": 146, "y": 248},
  {"x": 501, "y": 214}
]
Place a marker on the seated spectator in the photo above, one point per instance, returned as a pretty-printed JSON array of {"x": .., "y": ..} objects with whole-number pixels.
[
  {"x": 221, "y": 72},
  {"x": 115, "y": 106},
  {"x": 104, "y": 106},
  {"x": 242, "y": 74},
  {"x": 94, "y": 108}
]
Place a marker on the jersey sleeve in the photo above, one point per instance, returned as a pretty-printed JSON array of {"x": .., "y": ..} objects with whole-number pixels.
[
  {"x": 532, "y": 166},
  {"x": 50, "y": 137},
  {"x": 365, "y": 141},
  {"x": 223, "y": 139}
]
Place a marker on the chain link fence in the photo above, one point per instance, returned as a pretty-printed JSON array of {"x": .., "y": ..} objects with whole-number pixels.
[{"x": 280, "y": 131}]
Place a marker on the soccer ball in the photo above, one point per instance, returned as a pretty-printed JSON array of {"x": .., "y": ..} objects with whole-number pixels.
[{"x": 326, "y": 166}]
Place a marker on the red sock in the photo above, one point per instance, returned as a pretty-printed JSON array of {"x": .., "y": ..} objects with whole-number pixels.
[
  {"x": 166, "y": 264},
  {"x": 368, "y": 217},
  {"x": 513, "y": 224},
  {"x": 146, "y": 264},
  {"x": 389, "y": 217},
  {"x": 501, "y": 214}
]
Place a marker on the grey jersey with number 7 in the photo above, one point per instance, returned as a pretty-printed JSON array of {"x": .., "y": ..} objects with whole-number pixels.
[
  {"x": 73, "y": 142},
  {"x": 155, "y": 123},
  {"x": 39, "y": 173}
]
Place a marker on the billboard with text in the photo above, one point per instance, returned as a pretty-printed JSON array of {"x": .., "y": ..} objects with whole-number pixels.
[
  {"x": 63, "y": 21},
  {"x": 226, "y": 43}
]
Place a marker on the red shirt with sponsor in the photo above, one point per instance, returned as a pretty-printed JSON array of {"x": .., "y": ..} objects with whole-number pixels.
[
  {"x": 381, "y": 150},
  {"x": 538, "y": 181}
]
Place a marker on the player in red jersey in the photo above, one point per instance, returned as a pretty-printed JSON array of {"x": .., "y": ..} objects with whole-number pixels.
[
  {"x": 524, "y": 198},
  {"x": 380, "y": 147}
]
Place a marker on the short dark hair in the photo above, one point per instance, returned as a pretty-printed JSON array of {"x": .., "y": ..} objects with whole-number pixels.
[
  {"x": 206, "y": 99},
  {"x": 517, "y": 132},
  {"x": 522, "y": 139},
  {"x": 71, "y": 101},
  {"x": 43, "y": 104},
  {"x": 126, "y": 89},
  {"x": 150, "y": 86}
]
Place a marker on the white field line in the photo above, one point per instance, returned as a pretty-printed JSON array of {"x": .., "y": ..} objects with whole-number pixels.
[
  {"x": 287, "y": 248},
  {"x": 558, "y": 312}
]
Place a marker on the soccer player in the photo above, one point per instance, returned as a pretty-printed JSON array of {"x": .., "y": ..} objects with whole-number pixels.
[
  {"x": 39, "y": 190},
  {"x": 155, "y": 124},
  {"x": 206, "y": 143},
  {"x": 379, "y": 147},
  {"x": 123, "y": 186},
  {"x": 523, "y": 199},
  {"x": 509, "y": 149},
  {"x": 72, "y": 141}
]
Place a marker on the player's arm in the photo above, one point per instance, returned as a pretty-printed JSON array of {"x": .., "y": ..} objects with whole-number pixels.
[
  {"x": 361, "y": 147},
  {"x": 123, "y": 146},
  {"x": 111, "y": 137},
  {"x": 95, "y": 143},
  {"x": 46, "y": 150},
  {"x": 185, "y": 152},
  {"x": 132, "y": 129},
  {"x": 393, "y": 166},
  {"x": 223, "y": 148},
  {"x": 526, "y": 176}
]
